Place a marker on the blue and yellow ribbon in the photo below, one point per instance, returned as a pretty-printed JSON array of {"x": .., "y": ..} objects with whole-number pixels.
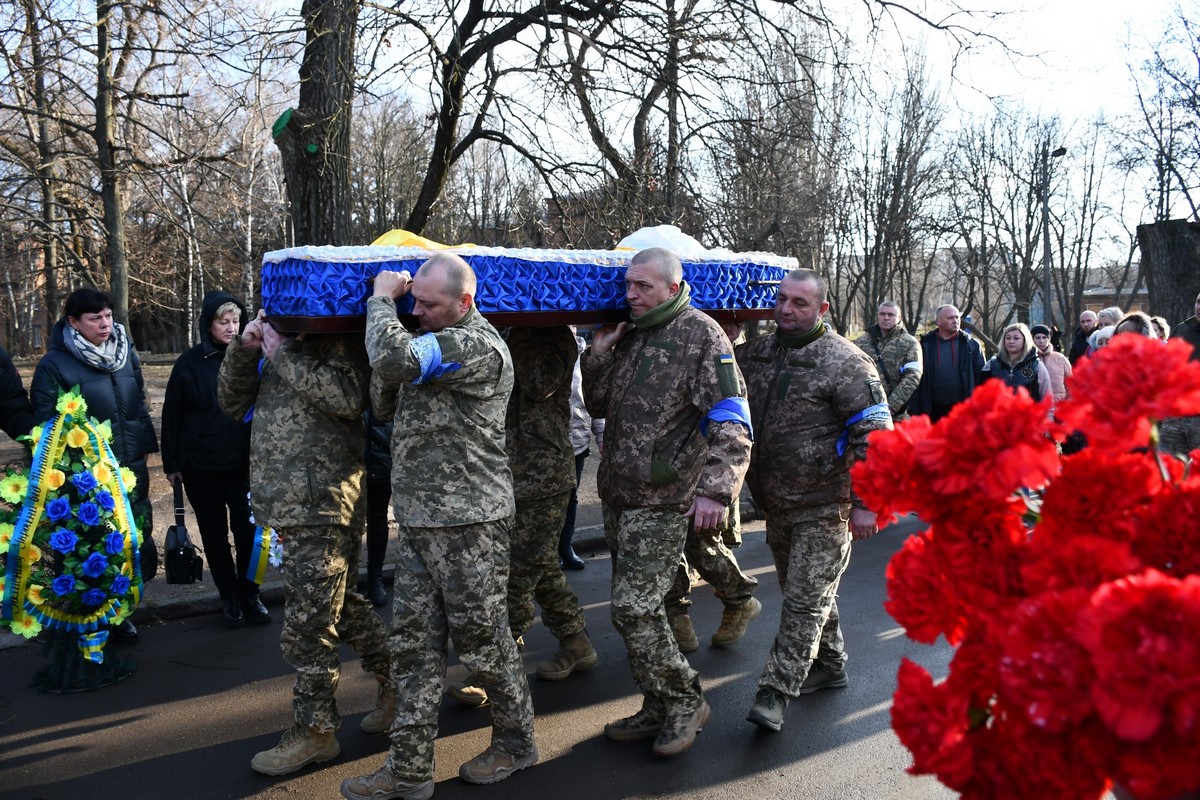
[
  {"x": 259, "y": 552},
  {"x": 92, "y": 645}
]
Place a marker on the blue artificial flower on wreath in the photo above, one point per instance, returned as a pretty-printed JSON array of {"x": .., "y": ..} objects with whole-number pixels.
[
  {"x": 57, "y": 509},
  {"x": 95, "y": 565},
  {"x": 63, "y": 540},
  {"x": 105, "y": 500},
  {"x": 120, "y": 585},
  {"x": 94, "y": 597},
  {"x": 89, "y": 514},
  {"x": 63, "y": 584},
  {"x": 114, "y": 543},
  {"x": 84, "y": 481}
]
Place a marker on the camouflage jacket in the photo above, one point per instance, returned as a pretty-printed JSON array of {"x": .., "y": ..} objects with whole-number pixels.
[
  {"x": 803, "y": 402},
  {"x": 449, "y": 463},
  {"x": 653, "y": 388},
  {"x": 537, "y": 428},
  {"x": 897, "y": 358},
  {"x": 306, "y": 440}
]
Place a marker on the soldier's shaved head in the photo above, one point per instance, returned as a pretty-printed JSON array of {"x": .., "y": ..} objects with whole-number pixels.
[
  {"x": 443, "y": 291},
  {"x": 450, "y": 272}
]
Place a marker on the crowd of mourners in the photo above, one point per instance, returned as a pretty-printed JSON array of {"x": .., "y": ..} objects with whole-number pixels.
[{"x": 475, "y": 441}]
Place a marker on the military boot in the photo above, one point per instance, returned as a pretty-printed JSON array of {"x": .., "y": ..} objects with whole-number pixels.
[
  {"x": 684, "y": 633},
  {"x": 735, "y": 621},
  {"x": 467, "y": 693},
  {"x": 298, "y": 748},
  {"x": 822, "y": 677},
  {"x": 383, "y": 785},
  {"x": 575, "y": 653},
  {"x": 380, "y": 719}
]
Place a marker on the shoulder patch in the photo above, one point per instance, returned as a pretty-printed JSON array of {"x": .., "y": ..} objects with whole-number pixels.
[{"x": 727, "y": 376}]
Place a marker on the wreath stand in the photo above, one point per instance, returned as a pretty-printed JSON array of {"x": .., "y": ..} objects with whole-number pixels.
[{"x": 67, "y": 670}]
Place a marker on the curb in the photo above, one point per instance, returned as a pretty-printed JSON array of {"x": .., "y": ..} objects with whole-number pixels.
[{"x": 587, "y": 540}]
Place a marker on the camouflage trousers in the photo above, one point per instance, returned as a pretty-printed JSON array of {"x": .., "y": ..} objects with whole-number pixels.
[
  {"x": 536, "y": 573},
  {"x": 322, "y": 610},
  {"x": 645, "y": 544},
  {"x": 707, "y": 553},
  {"x": 1180, "y": 435},
  {"x": 811, "y": 549},
  {"x": 450, "y": 584}
]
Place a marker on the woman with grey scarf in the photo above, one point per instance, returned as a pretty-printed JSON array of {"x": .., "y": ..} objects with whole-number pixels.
[{"x": 89, "y": 350}]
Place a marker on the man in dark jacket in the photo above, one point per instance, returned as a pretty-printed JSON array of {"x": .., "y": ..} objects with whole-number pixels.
[
  {"x": 16, "y": 415},
  {"x": 1189, "y": 331},
  {"x": 1079, "y": 344},
  {"x": 953, "y": 361}
]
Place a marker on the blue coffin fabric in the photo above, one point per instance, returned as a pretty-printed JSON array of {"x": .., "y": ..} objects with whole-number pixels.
[{"x": 336, "y": 281}]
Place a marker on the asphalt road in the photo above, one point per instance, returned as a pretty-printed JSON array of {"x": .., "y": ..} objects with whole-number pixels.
[{"x": 204, "y": 699}]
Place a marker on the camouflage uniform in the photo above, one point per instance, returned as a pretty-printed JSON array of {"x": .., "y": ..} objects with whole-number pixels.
[
  {"x": 306, "y": 474},
  {"x": 653, "y": 388},
  {"x": 897, "y": 358},
  {"x": 806, "y": 403},
  {"x": 537, "y": 435},
  {"x": 454, "y": 507},
  {"x": 707, "y": 553}
]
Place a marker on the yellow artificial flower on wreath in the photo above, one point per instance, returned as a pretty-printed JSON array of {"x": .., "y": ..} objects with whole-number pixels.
[
  {"x": 55, "y": 478},
  {"x": 104, "y": 430},
  {"x": 73, "y": 404},
  {"x": 102, "y": 474},
  {"x": 34, "y": 595},
  {"x": 13, "y": 488},
  {"x": 129, "y": 479},
  {"x": 26, "y": 626},
  {"x": 33, "y": 553},
  {"x": 77, "y": 437},
  {"x": 34, "y": 435},
  {"x": 6, "y": 532}
]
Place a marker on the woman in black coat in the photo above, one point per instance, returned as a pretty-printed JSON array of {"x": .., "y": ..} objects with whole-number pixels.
[
  {"x": 16, "y": 415},
  {"x": 89, "y": 350},
  {"x": 210, "y": 454}
]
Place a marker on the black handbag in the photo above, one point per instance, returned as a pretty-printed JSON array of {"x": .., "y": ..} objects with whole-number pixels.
[{"x": 184, "y": 565}]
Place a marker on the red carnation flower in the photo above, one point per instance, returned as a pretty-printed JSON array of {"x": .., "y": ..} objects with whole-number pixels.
[
  {"x": 1015, "y": 759},
  {"x": 1083, "y": 561},
  {"x": 918, "y": 596},
  {"x": 1044, "y": 672},
  {"x": 991, "y": 445},
  {"x": 1162, "y": 769},
  {"x": 931, "y": 721},
  {"x": 1097, "y": 494},
  {"x": 1118, "y": 390},
  {"x": 1166, "y": 530},
  {"x": 1142, "y": 636},
  {"x": 886, "y": 481}
]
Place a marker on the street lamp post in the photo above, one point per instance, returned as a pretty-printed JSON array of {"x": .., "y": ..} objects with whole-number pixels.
[{"x": 1047, "y": 261}]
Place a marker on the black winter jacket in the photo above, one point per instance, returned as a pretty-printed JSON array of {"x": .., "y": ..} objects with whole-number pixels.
[
  {"x": 16, "y": 415},
  {"x": 970, "y": 367},
  {"x": 196, "y": 434},
  {"x": 1023, "y": 374},
  {"x": 118, "y": 397}
]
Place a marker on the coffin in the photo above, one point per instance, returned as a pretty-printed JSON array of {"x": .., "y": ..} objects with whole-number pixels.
[{"x": 325, "y": 289}]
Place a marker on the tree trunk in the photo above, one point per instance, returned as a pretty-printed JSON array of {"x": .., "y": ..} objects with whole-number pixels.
[
  {"x": 1171, "y": 267},
  {"x": 45, "y": 170},
  {"x": 314, "y": 138},
  {"x": 110, "y": 178}
]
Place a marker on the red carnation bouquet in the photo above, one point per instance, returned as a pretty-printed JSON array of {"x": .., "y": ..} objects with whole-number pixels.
[{"x": 1068, "y": 585}]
